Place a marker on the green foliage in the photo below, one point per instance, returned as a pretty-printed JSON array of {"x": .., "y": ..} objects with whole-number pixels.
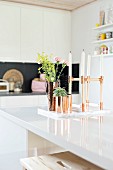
[
  {"x": 59, "y": 92},
  {"x": 48, "y": 67}
]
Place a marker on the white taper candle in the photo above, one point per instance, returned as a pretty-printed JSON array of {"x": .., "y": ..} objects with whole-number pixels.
[
  {"x": 70, "y": 72},
  {"x": 82, "y": 63}
]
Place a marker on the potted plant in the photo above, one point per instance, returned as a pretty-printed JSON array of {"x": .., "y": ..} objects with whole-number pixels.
[
  {"x": 51, "y": 70},
  {"x": 59, "y": 92},
  {"x": 60, "y": 100}
]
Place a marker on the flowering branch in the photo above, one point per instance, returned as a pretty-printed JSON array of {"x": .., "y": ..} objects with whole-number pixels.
[
  {"x": 63, "y": 66},
  {"x": 48, "y": 67}
]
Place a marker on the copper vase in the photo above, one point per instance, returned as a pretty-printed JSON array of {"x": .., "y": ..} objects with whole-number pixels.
[
  {"x": 60, "y": 104},
  {"x": 51, "y": 87}
]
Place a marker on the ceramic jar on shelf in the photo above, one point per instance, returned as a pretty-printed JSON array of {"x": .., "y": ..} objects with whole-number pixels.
[{"x": 11, "y": 84}]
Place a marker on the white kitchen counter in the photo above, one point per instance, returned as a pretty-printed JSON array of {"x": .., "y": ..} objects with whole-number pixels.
[{"x": 89, "y": 137}]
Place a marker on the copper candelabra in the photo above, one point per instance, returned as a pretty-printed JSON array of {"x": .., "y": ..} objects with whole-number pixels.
[{"x": 85, "y": 89}]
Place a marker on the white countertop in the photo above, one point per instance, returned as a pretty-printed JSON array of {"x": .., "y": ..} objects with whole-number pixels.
[{"x": 89, "y": 137}]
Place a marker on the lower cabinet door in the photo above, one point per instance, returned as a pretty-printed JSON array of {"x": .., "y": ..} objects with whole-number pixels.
[{"x": 23, "y": 101}]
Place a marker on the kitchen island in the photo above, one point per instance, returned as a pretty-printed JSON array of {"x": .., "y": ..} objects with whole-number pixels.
[{"x": 90, "y": 137}]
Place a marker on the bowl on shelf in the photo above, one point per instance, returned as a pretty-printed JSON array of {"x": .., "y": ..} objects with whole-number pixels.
[{"x": 108, "y": 35}]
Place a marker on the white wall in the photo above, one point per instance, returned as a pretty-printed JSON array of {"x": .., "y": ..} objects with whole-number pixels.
[{"x": 83, "y": 20}]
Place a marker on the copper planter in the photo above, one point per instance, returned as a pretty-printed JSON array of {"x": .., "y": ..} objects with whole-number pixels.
[{"x": 62, "y": 104}]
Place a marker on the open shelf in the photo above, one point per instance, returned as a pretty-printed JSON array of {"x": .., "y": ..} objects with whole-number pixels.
[
  {"x": 102, "y": 41},
  {"x": 103, "y": 55},
  {"x": 103, "y": 26}
]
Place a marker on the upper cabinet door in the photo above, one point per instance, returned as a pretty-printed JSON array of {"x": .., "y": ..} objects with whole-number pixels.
[
  {"x": 57, "y": 32},
  {"x": 31, "y": 33},
  {"x": 9, "y": 32}
]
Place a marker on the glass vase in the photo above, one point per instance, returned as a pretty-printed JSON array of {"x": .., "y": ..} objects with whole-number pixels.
[{"x": 50, "y": 96}]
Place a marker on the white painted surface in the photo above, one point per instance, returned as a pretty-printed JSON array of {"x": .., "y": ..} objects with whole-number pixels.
[
  {"x": 39, "y": 146},
  {"x": 36, "y": 100},
  {"x": 31, "y": 33},
  {"x": 57, "y": 33},
  {"x": 83, "y": 20},
  {"x": 9, "y": 32},
  {"x": 21, "y": 101},
  {"x": 90, "y": 138},
  {"x": 75, "y": 98},
  {"x": 26, "y": 30},
  {"x": 13, "y": 144}
]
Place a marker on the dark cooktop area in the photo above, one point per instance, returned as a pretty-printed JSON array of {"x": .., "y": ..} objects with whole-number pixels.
[{"x": 30, "y": 71}]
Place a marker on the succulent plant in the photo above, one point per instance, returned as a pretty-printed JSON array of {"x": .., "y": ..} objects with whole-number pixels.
[{"x": 59, "y": 92}]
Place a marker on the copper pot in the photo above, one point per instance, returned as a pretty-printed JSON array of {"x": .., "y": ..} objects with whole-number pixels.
[{"x": 61, "y": 104}]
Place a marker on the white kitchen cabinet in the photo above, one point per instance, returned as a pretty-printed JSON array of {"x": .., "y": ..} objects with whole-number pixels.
[
  {"x": 29, "y": 101},
  {"x": 31, "y": 33},
  {"x": 9, "y": 32},
  {"x": 57, "y": 32},
  {"x": 44, "y": 30},
  {"x": 23, "y": 101},
  {"x": 26, "y": 30}
]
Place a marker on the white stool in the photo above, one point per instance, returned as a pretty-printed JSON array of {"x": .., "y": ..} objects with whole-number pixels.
[{"x": 58, "y": 161}]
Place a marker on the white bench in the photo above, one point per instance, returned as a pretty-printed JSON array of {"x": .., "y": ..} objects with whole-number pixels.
[{"x": 58, "y": 161}]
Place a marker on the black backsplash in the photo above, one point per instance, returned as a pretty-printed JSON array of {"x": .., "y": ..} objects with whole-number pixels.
[{"x": 30, "y": 71}]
